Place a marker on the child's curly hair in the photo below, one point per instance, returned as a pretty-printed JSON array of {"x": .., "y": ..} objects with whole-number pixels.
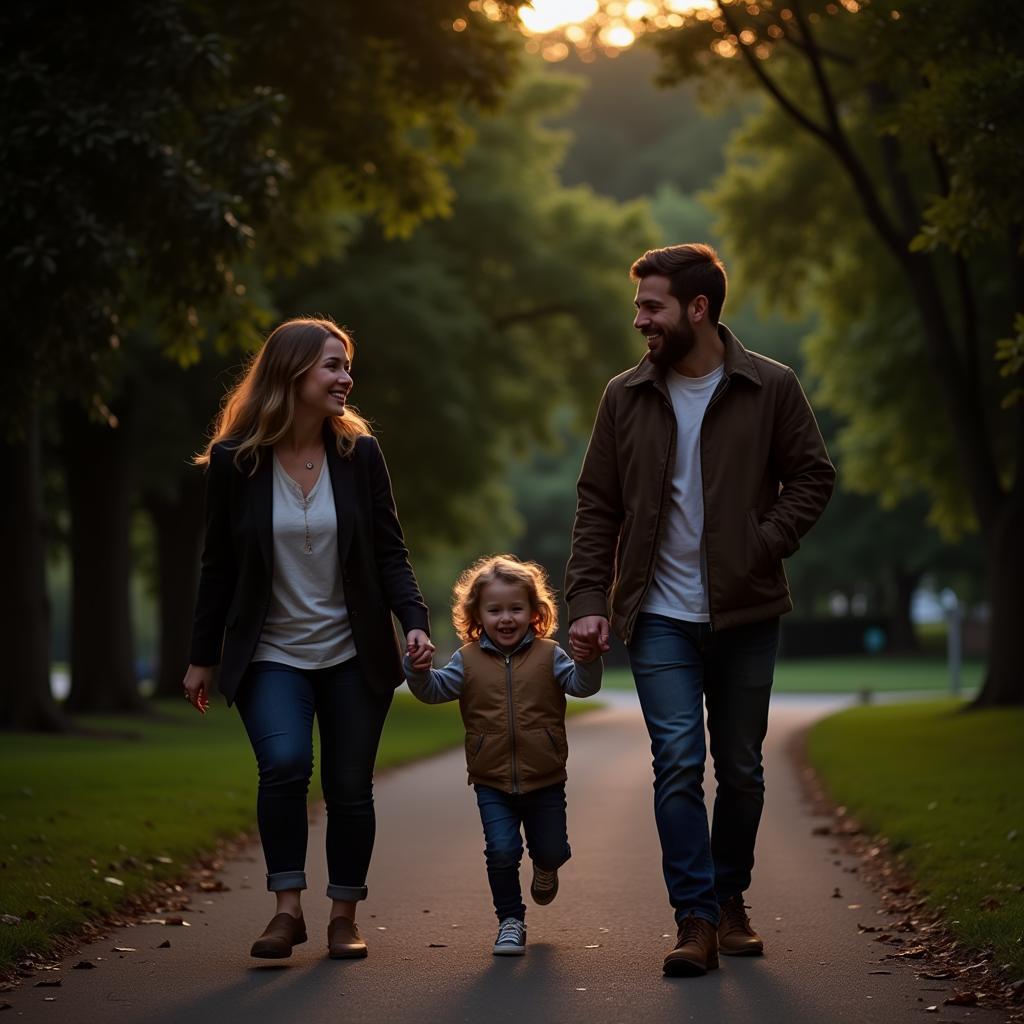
[{"x": 509, "y": 569}]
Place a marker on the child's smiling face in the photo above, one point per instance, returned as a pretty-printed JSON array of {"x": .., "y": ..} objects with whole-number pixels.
[{"x": 505, "y": 612}]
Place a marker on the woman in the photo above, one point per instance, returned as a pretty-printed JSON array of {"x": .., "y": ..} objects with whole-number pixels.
[{"x": 304, "y": 563}]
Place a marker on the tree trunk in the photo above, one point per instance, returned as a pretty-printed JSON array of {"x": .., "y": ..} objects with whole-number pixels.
[
  {"x": 178, "y": 528},
  {"x": 902, "y": 635},
  {"x": 26, "y": 701},
  {"x": 1004, "y": 680},
  {"x": 97, "y": 468}
]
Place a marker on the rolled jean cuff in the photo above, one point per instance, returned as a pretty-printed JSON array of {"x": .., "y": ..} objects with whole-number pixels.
[
  {"x": 346, "y": 893},
  {"x": 282, "y": 881}
]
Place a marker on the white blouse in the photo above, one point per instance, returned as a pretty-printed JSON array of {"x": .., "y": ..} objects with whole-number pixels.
[{"x": 307, "y": 624}]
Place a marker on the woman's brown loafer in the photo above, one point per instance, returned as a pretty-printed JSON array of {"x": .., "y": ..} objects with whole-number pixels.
[
  {"x": 283, "y": 932},
  {"x": 344, "y": 941}
]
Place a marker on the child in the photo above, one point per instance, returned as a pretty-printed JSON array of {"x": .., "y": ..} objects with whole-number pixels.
[{"x": 511, "y": 679}]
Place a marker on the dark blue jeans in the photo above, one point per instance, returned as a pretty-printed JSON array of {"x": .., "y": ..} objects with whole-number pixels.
[
  {"x": 277, "y": 704},
  {"x": 678, "y": 666},
  {"x": 541, "y": 814}
]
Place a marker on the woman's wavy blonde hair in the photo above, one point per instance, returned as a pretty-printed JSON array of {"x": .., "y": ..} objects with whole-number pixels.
[
  {"x": 258, "y": 411},
  {"x": 508, "y": 569}
]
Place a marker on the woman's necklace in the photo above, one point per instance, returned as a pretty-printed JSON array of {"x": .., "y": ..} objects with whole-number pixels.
[{"x": 309, "y": 464}]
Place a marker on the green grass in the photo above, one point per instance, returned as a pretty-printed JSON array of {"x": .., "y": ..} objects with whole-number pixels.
[
  {"x": 75, "y": 810},
  {"x": 945, "y": 787},
  {"x": 850, "y": 675}
]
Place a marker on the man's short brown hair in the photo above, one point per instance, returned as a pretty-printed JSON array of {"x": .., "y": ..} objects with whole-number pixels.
[{"x": 692, "y": 269}]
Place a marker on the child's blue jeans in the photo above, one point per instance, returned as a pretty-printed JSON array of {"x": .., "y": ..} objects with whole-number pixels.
[{"x": 541, "y": 814}]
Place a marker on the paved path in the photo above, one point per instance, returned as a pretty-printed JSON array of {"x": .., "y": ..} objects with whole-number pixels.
[{"x": 594, "y": 954}]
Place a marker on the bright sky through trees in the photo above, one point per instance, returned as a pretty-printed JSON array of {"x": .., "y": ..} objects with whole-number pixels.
[{"x": 592, "y": 26}]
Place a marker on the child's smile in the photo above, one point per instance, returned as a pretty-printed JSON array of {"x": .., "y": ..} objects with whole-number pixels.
[{"x": 505, "y": 612}]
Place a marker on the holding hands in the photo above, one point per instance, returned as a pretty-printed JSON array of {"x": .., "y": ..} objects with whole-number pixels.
[
  {"x": 420, "y": 649},
  {"x": 588, "y": 637}
]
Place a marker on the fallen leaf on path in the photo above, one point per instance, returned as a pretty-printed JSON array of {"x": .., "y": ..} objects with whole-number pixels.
[
  {"x": 84, "y": 965},
  {"x": 879, "y": 972},
  {"x": 56, "y": 983},
  {"x": 911, "y": 953},
  {"x": 110, "y": 879},
  {"x": 931, "y": 1009},
  {"x": 166, "y": 944},
  {"x": 853, "y": 906},
  {"x": 961, "y": 999},
  {"x": 836, "y": 894},
  {"x": 937, "y": 975},
  {"x": 581, "y": 990},
  {"x": 593, "y": 945},
  {"x": 437, "y": 945},
  {"x": 6, "y": 1006},
  {"x": 123, "y": 949},
  {"x": 382, "y": 927},
  {"x": 865, "y": 927}
]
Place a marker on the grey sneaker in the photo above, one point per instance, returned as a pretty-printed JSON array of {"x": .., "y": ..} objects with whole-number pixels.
[
  {"x": 544, "y": 887},
  {"x": 511, "y": 939}
]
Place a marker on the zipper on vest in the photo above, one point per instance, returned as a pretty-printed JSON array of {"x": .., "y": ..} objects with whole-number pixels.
[{"x": 511, "y": 721}]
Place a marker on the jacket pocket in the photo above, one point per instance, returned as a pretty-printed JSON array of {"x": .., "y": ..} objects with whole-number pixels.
[
  {"x": 761, "y": 561},
  {"x": 541, "y": 752},
  {"x": 488, "y": 759}
]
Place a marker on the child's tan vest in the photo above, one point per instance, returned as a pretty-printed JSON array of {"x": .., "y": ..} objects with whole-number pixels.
[{"x": 514, "y": 713}]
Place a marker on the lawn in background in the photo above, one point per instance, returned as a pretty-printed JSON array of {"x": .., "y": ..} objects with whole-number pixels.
[
  {"x": 944, "y": 786},
  {"x": 89, "y": 821},
  {"x": 851, "y": 675}
]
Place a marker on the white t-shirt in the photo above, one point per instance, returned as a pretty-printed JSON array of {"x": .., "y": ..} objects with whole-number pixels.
[
  {"x": 679, "y": 588},
  {"x": 307, "y": 624}
]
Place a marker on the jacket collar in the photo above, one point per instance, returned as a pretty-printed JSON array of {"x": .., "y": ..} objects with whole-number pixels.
[
  {"x": 487, "y": 644},
  {"x": 737, "y": 362}
]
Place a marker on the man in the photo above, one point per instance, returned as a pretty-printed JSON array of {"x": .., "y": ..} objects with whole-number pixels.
[{"x": 704, "y": 469}]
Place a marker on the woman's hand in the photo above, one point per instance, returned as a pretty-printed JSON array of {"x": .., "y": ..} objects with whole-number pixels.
[
  {"x": 198, "y": 683},
  {"x": 420, "y": 649}
]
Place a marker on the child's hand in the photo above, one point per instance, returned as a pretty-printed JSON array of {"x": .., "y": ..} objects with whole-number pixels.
[{"x": 419, "y": 649}]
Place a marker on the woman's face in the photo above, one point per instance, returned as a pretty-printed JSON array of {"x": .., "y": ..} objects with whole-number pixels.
[{"x": 323, "y": 389}]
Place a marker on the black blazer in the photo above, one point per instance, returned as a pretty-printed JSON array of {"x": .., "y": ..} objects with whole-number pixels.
[{"x": 237, "y": 564}]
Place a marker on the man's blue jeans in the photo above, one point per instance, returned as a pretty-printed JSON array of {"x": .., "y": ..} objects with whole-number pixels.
[
  {"x": 677, "y": 667},
  {"x": 277, "y": 704},
  {"x": 541, "y": 814}
]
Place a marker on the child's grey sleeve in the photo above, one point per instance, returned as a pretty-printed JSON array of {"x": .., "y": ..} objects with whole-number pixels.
[
  {"x": 436, "y": 685},
  {"x": 577, "y": 678}
]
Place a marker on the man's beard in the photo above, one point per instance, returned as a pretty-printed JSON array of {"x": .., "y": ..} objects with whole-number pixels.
[{"x": 676, "y": 344}]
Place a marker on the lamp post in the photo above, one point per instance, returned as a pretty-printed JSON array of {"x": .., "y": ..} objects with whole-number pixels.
[{"x": 954, "y": 637}]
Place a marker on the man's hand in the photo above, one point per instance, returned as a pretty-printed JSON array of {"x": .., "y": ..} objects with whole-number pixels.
[
  {"x": 588, "y": 637},
  {"x": 420, "y": 650}
]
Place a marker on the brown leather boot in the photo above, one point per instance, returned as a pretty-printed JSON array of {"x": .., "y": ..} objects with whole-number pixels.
[
  {"x": 735, "y": 935},
  {"x": 696, "y": 950},
  {"x": 283, "y": 932},
  {"x": 344, "y": 941}
]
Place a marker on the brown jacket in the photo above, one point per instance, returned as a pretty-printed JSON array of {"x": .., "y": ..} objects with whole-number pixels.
[
  {"x": 514, "y": 712},
  {"x": 766, "y": 480}
]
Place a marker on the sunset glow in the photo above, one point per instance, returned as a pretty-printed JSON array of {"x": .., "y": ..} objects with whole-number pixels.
[{"x": 591, "y": 26}]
